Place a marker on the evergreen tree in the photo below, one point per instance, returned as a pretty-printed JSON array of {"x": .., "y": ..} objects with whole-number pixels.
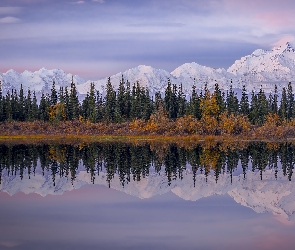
[
  {"x": 283, "y": 110},
  {"x": 61, "y": 96},
  {"x": 147, "y": 105},
  {"x": 244, "y": 103},
  {"x": 110, "y": 102},
  {"x": 127, "y": 101},
  {"x": 120, "y": 102},
  {"x": 170, "y": 100},
  {"x": 275, "y": 101},
  {"x": 53, "y": 96},
  {"x": 21, "y": 105},
  {"x": 263, "y": 108},
  {"x": 219, "y": 98},
  {"x": 67, "y": 104},
  {"x": 194, "y": 104},
  {"x": 15, "y": 106},
  {"x": 35, "y": 114},
  {"x": 73, "y": 102},
  {"x": 1, "y": 104},
  {"x": 7, "y": 107},
  {"x": 99, "y": 107},
  {"x": 43, "y": 108},
  {"x": 232, "y": 102},
  {"x": 181, "y": 102},
  {"x": 290, "y": 102},
  {"x": 253, "y": 115},
  {"x": 91, "y": 104},
  {"x": 28, "y": 107},
  {"x": 158, "y": 101}
]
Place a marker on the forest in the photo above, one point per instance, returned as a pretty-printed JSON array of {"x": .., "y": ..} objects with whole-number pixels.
[{"x": 130, "y": 110}]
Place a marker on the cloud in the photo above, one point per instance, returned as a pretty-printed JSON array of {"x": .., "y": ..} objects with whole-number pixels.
[
  {"x": 9, "y": 19},
  {"x": 9, "y": 10},
  {"x": 156, "y": 24},
  {"x": 9, "y": 244},
  {"x": 283, "y": 41},
  {"x": 98, "y": 1},
  {"x": 78, "y": 2}
]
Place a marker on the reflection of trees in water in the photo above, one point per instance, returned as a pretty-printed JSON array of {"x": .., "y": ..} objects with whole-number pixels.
[{"x": 134, "y": 162}]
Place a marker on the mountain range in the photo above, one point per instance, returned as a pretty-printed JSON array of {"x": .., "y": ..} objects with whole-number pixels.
[{"x": 263, "y": 68}]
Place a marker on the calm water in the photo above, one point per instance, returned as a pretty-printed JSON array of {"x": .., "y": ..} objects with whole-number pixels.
[{"x": 147, "y": 196}]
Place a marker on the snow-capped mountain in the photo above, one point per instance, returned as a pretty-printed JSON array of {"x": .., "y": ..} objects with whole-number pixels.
[
  {"x": 37, "y": 81},
  {"x": 261, "y": 68},
  {"x": 154, "y": 79},
  {"x": 190, "y": 74},
  {"x": 269, "y": 195},
  {"x": 266, "y": 68}
]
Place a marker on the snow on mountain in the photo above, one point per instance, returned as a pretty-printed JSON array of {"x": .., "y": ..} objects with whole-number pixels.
[
  {"x": 190, "y": 74},
  {"x": 261, "y": 68},
  {"x": 266, "y": 68},
  {"x": 154, "y": 79},
  {"x": 269, "y": 195},
  {"x": 38, "y": 81}
]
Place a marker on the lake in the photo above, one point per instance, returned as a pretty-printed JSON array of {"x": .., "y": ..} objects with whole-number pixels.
[{"x": 144, "y": 195}]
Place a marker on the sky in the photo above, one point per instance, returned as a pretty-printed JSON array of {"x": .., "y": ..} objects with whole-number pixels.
[{"x": 98, "y": 38}]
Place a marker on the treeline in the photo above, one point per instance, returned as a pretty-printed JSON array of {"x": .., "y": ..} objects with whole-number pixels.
[
  {"x": 134, "y": 162},
  {"x": 207, "y": 113}
]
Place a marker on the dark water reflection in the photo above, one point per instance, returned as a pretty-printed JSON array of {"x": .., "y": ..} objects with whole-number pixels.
[{"x": 147, "y": 196}]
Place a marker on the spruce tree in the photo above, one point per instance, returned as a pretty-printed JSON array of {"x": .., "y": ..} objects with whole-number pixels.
[
  {"x": 35, "y": 114},
  {"x": 99, "y": 107},
  {"x": 28, "y": 107},
  {"x": 1, "y": 104},
  {"x": 263, "y": 108},
  {"x": 220, "y": 100},
  {"x": 253, "y": 114},
  {"x": 194, "y": 104},
  {"x": 61, "y": 97},
  {"x": 283, "y": 110},
  {"x": 290, "y": 102},
  {"x": 91, "y": 104},
  {"x": 15, "y": 106},
  {"x": 43, "y": 108},
  {"x": 120, "y": 102},
  {"x": 181, "y": 102},
  {"x": 275, "y": 101},
  {"x": 67, "y": 103},
  {"x": 73, "y": 102},
  {"x": 53, "y": 95},
  {"x": 147, "y": 105},
  {"x": 232, "y": 102},
  {"x": 21, "y": 105},
  {"x": 244, "y": 103},
  {"x": 158, "y": 101},
  {"x": 110, "y": 102},
  {"x": 127, "y": 101},
  {"x": 8, "y": 108}
]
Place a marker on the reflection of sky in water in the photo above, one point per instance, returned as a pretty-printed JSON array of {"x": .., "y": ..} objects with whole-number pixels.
[{"x": 95, "y": 217}]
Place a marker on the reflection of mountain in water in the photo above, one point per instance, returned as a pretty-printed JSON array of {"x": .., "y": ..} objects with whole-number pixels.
[{"x": 269, "y": 195}]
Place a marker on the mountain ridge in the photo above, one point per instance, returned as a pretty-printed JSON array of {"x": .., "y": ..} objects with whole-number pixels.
[{"x": 262, "y": 68}]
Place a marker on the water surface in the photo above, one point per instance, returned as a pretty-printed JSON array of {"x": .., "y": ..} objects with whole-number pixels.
[{"x": 147, "y": 196}]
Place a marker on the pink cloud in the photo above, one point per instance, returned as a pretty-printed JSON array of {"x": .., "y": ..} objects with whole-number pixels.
[
  {"x": 274, "y": 241},
  {"x": 271, "y": 13},
  {"x": 285, "y": 18},
  {"x": 283, "y": 41}
]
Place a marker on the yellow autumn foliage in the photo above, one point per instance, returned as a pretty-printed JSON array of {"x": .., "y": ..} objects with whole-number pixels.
[
  {"x": 186, "y": 125},
  {"x": 208, "y": 125},
  {"x": 234, "y": 124}
]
